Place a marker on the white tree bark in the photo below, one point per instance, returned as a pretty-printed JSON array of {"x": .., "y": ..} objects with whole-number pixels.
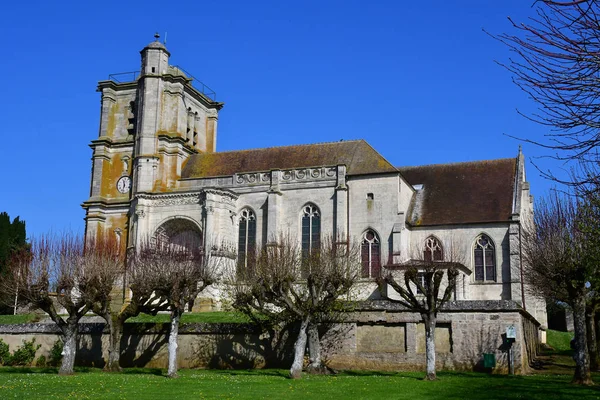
[
  {"x": 175, "y": 317},
  {"x": 299, "y": 349},
  {"x": 314, "y": 348},
  {"x": 430, "y": 347},
  {"x": 69, "y": 349}
]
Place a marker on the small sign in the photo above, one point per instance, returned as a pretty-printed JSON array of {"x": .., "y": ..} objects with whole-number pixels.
[{"x": 511, "y": 332}]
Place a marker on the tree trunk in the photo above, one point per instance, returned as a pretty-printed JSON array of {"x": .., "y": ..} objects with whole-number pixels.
[
  {"x": 582, "y": 365},
  {"x": 314, "y": 349},
  {"x": 299, "y": 348},
  {"x": 591, "y": 337},
  {"x": 69, "y": 349},
  {"x": 430, "y": 322},
  {"x": 175, "y": 317},
  {"x": 115, "y": 326}
]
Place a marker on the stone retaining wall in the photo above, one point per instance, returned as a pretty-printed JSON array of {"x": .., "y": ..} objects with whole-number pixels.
[{"x": 379, "y": 335}]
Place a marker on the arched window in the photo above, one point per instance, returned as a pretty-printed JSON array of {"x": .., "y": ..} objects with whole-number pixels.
[
  {"x": 370, "y": 255},
  {"x": 484, "y": 256},
  {"x": 433, "y": 250},
  {"x": 311, "y": 230},
  {"x": 246, "y": 238}
]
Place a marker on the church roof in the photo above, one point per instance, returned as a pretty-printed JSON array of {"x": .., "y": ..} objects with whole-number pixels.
[
  {"x": 358, "y": 156},
  {"x": 461, "y": 193}
]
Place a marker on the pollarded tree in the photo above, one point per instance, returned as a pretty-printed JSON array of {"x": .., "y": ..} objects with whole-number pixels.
[
  {"x": 59, "y": 272},
  {"x": 424, "y": 284},
  {"x": 175, "y": 273},
  {"x": 288, "y": 286},
  {"x": 561, "y": 262}
]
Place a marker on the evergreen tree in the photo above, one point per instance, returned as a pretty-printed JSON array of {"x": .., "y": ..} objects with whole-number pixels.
[{"x": 12, "y": 239}]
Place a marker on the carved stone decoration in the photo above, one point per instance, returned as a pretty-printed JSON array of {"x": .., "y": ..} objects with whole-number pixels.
[
  {"x": 315, "y": 173},
  {"x": 300, "y": 174},
  {"x": 287, "y": 175},
  {"x": 140, "y": 213},
  {"x": 175, "y": 200},
  {"x": 252, "y": 178},
  {"x": 227, "y": 200},
  {"x": 331, "y": 171}
]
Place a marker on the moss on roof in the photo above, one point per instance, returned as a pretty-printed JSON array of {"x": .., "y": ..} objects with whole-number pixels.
[
  {"x": 358, "y": 156},
  {"x": 468, "y": 192}
]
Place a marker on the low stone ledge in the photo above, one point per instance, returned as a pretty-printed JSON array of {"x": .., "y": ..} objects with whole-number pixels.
[
  {"x": 452, "y": 306},
  {"x": 133, "y": 328}
]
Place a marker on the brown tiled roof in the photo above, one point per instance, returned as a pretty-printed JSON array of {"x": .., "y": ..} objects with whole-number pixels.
[
  {"x": 358, "y": 156},
  {"x": 469, "y": 192}
]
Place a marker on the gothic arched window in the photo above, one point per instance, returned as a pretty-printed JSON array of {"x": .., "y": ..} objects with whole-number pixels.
[
  {"x": 370, "y": 255},
  {"x": 311, "y": 230},
  {"x": 433, "y": 250},
  {"x": 484, "y": 256},
  {"x": 246, "y": 238}
]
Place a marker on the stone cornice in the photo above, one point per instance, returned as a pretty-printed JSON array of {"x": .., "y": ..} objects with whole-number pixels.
[
  {"x": 169, "y": 199},
  {"x": 220, "y": 192},
  {"x": 116, "y": 86},
  {"x": 106, "y": 141},
  {"x": 102, "y": 202}
]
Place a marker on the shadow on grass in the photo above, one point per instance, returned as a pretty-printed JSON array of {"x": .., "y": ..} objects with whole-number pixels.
[
  {"x": 43, "y": 370},
  {"x": 142, "y": 371},
  {"x": 252, "y": 372},
  {"x": 415, "y": 375}
]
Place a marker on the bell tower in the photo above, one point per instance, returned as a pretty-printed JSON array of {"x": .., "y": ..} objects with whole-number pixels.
[{"x": 151, "y": 121}]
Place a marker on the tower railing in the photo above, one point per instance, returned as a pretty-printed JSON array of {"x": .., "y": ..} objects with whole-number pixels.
[{"x": 122, "y": 77}]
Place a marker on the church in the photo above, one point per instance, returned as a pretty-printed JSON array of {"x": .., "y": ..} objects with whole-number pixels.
[{"x": 156, "y": 172}]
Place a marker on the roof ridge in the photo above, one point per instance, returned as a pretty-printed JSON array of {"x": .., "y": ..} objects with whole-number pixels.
[
  {"x": 289, "y": 145},
  {"x": 455, "y": 163}
]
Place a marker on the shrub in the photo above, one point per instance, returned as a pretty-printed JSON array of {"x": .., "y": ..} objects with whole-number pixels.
[
  {"x": 4, "y": 353},
  {"x": 55, "y": 356},
  {"x": 25, "y": 354},
  {"x": 41, "y": 361}
]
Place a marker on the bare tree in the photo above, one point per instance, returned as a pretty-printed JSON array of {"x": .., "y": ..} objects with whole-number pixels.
[
  {"x": 561, "y": 262},
  {"x": 556, "y": 63},
  {"x": 141, "y": 299},
  {"x": 287, "y": 286},
  {"x": 424, "y": 284},
  {"x": 104, "y": 262},
  {"x": 58, "y": 272},
  {"x": 176, "y": 274}
]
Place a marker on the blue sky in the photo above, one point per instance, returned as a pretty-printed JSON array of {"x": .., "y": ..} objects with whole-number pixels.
[{"x": 416, "y": 79}]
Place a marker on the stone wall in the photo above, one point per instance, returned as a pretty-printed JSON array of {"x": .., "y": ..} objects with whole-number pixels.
[{"x": 378, "y": 336}]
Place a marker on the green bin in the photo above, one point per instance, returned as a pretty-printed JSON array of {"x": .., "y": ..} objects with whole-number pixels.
[{"x": 489, "y": 360}]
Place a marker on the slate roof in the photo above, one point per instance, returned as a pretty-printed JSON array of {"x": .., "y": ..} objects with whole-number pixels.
[
  {"x": 358, "y": 156},
  {"x": 461, "y": 193}
]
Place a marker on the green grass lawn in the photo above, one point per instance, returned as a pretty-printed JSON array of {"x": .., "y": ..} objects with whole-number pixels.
[
  {"x": 207, "y": 317},
  {"x": 19, "y": 318},
  {"x": 273, "y": 384},
  {"x": 559, "y": 341}
]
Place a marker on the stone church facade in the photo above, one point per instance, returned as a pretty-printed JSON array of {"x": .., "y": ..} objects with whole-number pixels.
[{"x": 156, "y": 173}]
